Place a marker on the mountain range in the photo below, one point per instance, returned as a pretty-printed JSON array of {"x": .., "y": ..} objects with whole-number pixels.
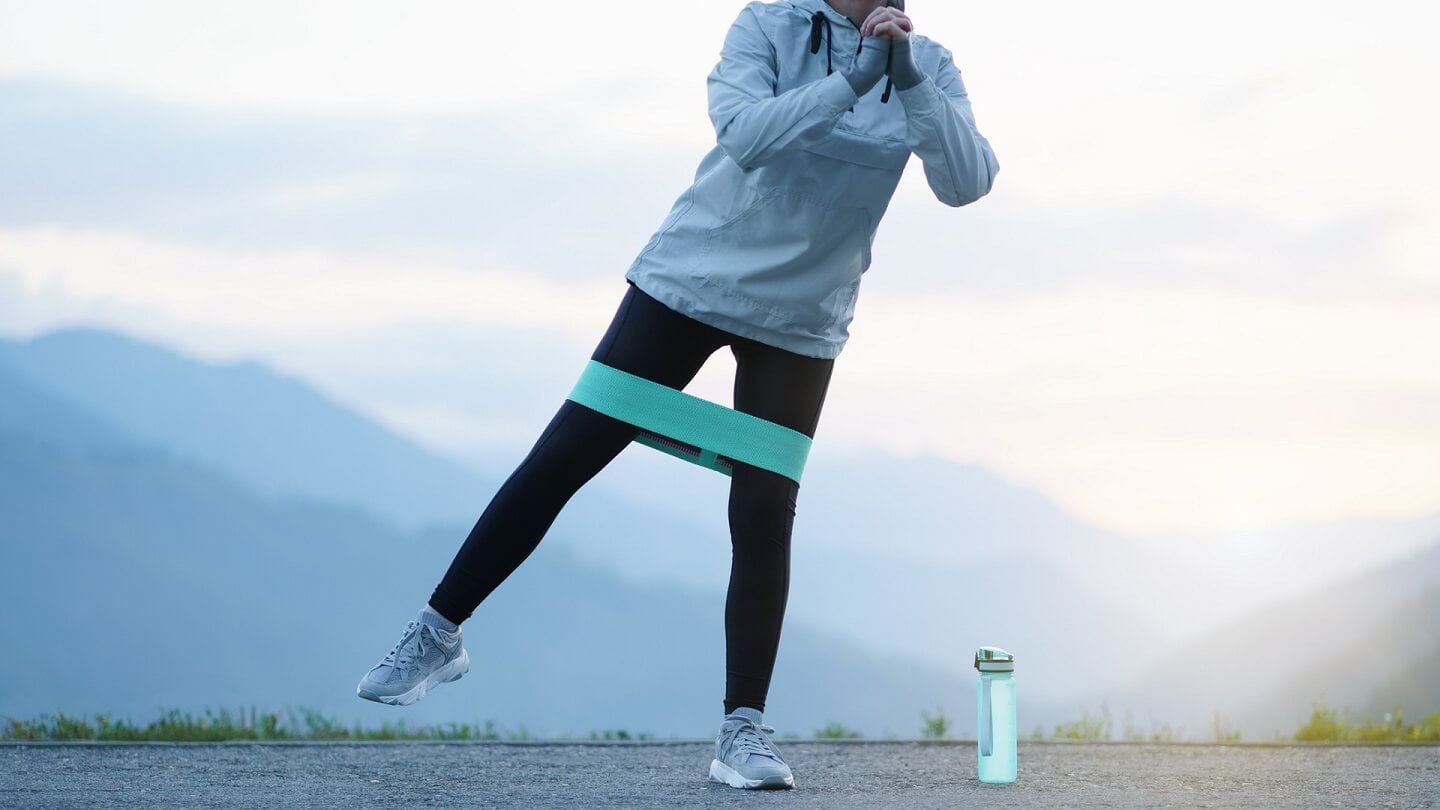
[
  {"x": 136, "y": 580},
  {"x": 219, "y": 533}
]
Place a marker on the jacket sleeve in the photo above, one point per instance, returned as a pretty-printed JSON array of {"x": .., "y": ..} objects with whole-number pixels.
[
  {"x": 752, "y": 123},
  {"x": 959, "y": 163}
]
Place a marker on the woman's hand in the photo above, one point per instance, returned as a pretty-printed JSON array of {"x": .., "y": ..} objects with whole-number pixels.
[
  {"x": 889, "y": 22},
  {"x": 869, "y": 65}
]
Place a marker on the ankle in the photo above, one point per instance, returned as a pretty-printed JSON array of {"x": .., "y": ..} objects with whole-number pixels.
[
  {"x": 751, "y": 713},
  {"x": 432, "y": 617}
]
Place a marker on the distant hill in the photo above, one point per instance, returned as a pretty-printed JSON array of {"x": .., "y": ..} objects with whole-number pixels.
[
  {"x": 274, "y": 433},
  {"x": 278, "y": 436},
  {"x": 918, "y": 560},
  {"x": 1403, "y": 649},
  {"x": 135, "y": 580},
  {"x": 931, "y": 558},
  {"x": 30, "y": 410},
  {"x": 1358, "y": 643},
  {"x": 1416, "y": 687},
  {"x": 892, "y": 601}
]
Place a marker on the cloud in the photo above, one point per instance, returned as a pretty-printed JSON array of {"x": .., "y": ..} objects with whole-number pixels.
[
  {"x": 1143, "y": 408},
  {"x": 506, "y": 188},
  {"x": 475, "y": 188},
  {"x": 296, "y": 294},
  {"x": 1155, "y": 409},
  {"x": 342, "y": 56}
]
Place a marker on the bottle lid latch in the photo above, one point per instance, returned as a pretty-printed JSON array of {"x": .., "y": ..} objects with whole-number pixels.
[{"x": 994, "y": 659}]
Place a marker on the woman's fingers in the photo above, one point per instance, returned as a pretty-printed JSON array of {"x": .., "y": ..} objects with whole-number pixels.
[
  {"x": 867, "y": 28},
  {"x": 899, "y": 23},
  {"x": 892, "y": 29},
  {"x": 901, "y": 19}
]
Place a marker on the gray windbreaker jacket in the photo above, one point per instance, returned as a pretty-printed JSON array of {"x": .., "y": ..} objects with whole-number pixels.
[{"x": 772, "y": 238}]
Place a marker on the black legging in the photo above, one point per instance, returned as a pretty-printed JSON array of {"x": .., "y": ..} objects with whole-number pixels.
[{"x": 651, "y": 340}]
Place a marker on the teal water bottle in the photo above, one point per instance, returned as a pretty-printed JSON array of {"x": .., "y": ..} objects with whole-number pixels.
[{"x": 995, "y": 715}]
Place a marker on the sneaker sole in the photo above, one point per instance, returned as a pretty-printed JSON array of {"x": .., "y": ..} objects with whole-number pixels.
[
  {"x": 453, "y": 671},
  {"x": 726, "y": 775}
]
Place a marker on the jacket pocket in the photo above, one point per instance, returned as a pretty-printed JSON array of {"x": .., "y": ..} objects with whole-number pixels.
[{"x": 888, "y": 154}]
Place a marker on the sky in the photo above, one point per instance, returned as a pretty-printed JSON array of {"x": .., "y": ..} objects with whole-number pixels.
[{"x": 1204, "y": 295}]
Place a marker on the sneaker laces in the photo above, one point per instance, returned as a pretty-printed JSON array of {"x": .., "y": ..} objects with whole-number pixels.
[
  {"x": 403, "y": 656},
  {"x": 748, "y": 738}
]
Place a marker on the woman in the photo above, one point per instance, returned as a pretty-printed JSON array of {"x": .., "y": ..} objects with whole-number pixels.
[{"x": 763, "y": 254}]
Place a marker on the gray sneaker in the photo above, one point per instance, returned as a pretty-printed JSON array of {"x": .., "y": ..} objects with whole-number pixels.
[
  {"x": 424, "y": 657},
  {"x": 746, "y": 757}
]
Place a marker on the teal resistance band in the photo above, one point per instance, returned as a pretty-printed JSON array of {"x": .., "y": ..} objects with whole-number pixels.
[{"x": 694, "y": 429}]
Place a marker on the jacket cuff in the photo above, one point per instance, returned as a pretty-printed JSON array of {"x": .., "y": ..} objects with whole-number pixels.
[
  {"x": 836, "y": 94},
  {"x": 921, "y": 100}
]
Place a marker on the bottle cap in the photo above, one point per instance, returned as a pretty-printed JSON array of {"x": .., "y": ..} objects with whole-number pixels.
[{"x": 994, "y": 659}]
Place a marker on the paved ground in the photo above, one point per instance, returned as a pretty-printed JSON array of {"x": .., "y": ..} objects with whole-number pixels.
[{"x": 673, "y": 774}]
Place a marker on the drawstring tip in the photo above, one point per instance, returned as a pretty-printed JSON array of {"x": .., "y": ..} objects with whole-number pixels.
[{"x": 885, "y": 96}]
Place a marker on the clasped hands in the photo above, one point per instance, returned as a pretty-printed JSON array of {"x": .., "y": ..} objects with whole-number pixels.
[{"x": 885, "y": 48}]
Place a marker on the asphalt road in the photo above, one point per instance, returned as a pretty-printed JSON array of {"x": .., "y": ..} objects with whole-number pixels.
[{"x": 673, "y": 774}]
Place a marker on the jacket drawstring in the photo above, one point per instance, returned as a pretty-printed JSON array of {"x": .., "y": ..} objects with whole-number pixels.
[
  {"x": 819, "y": 20},
  {"x": 815, "y": 21}
]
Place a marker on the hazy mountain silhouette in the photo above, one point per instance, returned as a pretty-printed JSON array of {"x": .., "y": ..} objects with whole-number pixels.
[
  {"x": 1394, "y": 666},
  {"x": 136, "y": 580},
  {"x": 28, "y": 409},
  {"x": 913, "y": 561},
  {"x": 273, "y": 433},
  {"x": 1417, "y": 684},
  {"x": 930, "y": 558},
  {"x": 1359, "y": 642},
  {"x": 277, "y": 435}
]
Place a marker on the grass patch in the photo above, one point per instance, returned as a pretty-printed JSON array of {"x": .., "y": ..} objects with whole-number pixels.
[
  {"x": 1334, "y": 725},
  {"x": 934, "y": 726},
  {"x": 836, "y": 731},
  {"x": 1089, "y": 728},
  {"x": 619, "y": 734},
  {"x": 1324, "y": 725},
  {"x": 226, "y": 725},
  {"x": 1156, "y": 733},
  {"x": 1221, "y": 730}
]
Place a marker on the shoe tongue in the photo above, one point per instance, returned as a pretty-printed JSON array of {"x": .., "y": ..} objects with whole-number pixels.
[
  {"x": 752, "y": 715},
  {"x": 748, "y": 713}
]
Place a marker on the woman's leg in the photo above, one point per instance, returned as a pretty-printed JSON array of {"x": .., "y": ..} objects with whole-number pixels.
[
  {"x": 645, "y": 338},
  {"x": 788, "y": 389}
]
